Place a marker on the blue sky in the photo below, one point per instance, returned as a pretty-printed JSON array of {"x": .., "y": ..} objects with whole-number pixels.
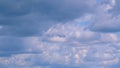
[{"x": 59, "y": 33}]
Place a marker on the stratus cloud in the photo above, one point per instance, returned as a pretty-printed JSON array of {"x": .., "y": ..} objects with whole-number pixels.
[
  {"x": 15, "y": 45},
  {"x": 14, "y": 8},
  {"x": 64, "y": 9},
  {"x": 10, "y": 44},
  {"x": 32, "y": 17}
]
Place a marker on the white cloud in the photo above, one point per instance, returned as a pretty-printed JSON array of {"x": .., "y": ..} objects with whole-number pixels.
[{"x": 106, "y": 17}]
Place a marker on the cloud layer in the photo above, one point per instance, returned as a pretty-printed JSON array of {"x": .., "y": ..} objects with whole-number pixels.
[
  {"x": 32, "y": 17},
  {"x": 66, "y": 45},
  {"x": 59, "y": 34}
]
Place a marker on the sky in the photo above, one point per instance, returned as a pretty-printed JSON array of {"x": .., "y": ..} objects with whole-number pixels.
[{"x": 59, "y": 33}]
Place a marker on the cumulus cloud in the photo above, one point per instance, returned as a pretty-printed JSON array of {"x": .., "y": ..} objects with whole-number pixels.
[
  {"x": 98, "y": 50},
  {"x": 62, "y": 46}
]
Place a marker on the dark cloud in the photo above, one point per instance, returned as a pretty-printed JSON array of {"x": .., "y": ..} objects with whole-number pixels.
[
  {"x": 32, "y": 17},
  {"x": 64, "y": 9},
  {"x": 11, "y": 44},
  {"x": 15, "y": 45},
  {"x": 14, "y": 7}
]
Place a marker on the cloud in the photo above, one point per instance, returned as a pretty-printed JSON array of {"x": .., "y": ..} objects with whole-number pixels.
[
  {"x": 106, "y": 17},
  {"x": 14, "y": 8},
  {"x": 115, "y": 10},
  {"x": 58, "y": 34},
  {"x": 95, "y": 50},
  {"x": 10, "y": 44},
  {"x": 76, "y": 53},
  {"x": 64, "y": 9},
  {"x": 32, "y": 17},
  {"x": 14, "y": 45}
]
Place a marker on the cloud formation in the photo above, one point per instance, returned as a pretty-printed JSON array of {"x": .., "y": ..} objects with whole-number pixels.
[
  {"x": 62, "y": 46},
  {"x": 32, "y": 17},
  {"x": 59, "y": 34},
  {"x": 107, "y": 17}
]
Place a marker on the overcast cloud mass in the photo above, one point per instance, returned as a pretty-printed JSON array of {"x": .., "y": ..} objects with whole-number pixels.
[{"x": 59, "y": 33}]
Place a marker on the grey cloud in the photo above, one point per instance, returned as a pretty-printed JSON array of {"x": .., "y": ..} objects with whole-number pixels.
[
  {"x": 24, "y": 26},
  {"x": 16, "y": 45},
  {"x": 14, "y": 7},
  {"x": 64, "y": 9},
  {"x": 116, "y": 8},
  {"x": 10, "y": 53},
  {"x": 33, "y": 17},
  {"x": 10, "y": 44}
]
